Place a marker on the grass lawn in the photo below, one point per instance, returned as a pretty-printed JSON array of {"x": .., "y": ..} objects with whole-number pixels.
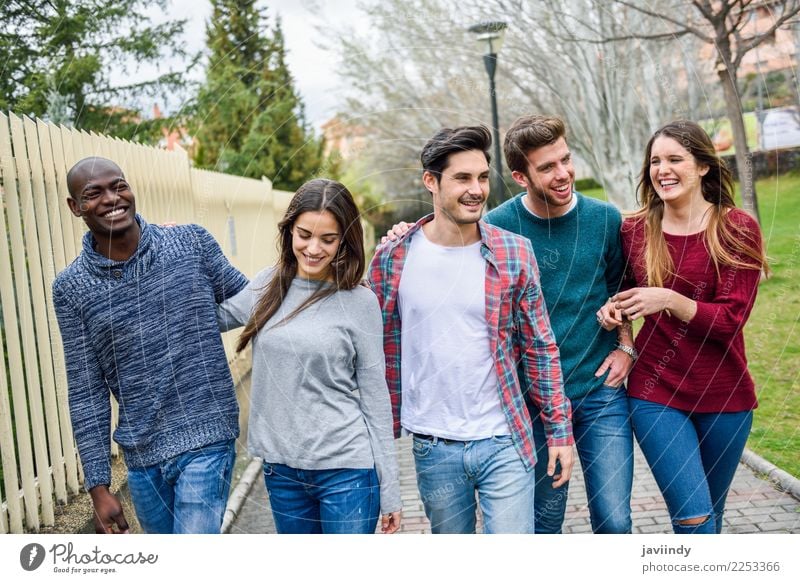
[
  {"x": 773, "y": 331},
  {"x": 597, "y": 193}
]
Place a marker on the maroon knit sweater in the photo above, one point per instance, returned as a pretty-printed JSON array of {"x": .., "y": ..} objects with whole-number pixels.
[{"x": 698, "y": 365}]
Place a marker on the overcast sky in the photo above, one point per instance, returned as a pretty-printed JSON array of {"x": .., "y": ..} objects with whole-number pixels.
[{"x": 312, "y": 67}]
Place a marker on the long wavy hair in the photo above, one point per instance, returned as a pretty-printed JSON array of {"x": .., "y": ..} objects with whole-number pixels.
[
  {"x": 728, "y": 243},
  {"x": 347, "y": 266}
]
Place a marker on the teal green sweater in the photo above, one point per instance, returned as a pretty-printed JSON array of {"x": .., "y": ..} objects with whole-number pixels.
[{"x": 580, "y": 260}]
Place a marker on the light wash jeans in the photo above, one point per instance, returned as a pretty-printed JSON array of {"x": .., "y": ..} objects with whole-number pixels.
[
  {"x": 449, "y": 473},
  {"x": 338, "y": 501},
  {"x": 185, "y": 494},
  {"x": 693, "y": 457},
  {"x": 604, "y": 440}
]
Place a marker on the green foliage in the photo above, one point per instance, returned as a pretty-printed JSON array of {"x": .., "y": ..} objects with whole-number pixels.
[
  {"x": 56, "y": 56},
  {"x": 366, "y": 191},
  {"x": 587, "y": 184},
  {"x": 249, "y": 119},
  {"x": 776, "y": 87},
  {"x": 773, "y": 331}
]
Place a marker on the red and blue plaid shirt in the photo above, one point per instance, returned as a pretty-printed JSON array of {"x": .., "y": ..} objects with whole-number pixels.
[{"x": 520, "y": 333}]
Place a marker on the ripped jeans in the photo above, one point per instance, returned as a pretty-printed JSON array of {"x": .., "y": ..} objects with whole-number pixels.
[{"x": 693, "y": 457}]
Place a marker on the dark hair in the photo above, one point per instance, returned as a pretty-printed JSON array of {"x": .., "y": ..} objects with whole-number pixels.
[
  {"x": 436, "y": 152},
  {"x": 725, "y": 240},
  {"x": 347, "y": 266},
  {"x": 528, "y": 133}
]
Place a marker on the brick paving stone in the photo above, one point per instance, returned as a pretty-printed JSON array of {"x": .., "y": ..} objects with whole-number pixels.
[
  {"x": 750, "y": 496},
  {"x": 748, "y": 529},
  {"x": 651, "y": 513},
  {"x": 753, "y": 511},
  {"x": 653, "y": 528},
  {"x": 781, "y": 526},
  {"x": 739, "y": 504},
  {"x": 754, "y": 505},
  {"x": 745, "y": 520},
  {"x": 768, "y": 502}
]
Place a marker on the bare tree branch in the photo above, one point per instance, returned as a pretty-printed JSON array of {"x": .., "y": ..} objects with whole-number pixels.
[
  {"x": 752, "y": 42},
  {"x": 681, "y": 25},
  {"x": 704, "y": 8},
  {"x": 656, "y": 36}
]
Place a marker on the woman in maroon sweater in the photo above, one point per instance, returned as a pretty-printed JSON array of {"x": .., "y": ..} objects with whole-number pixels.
[{"x": 694, "y": 263}]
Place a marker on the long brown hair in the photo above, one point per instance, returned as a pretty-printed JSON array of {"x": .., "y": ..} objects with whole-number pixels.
[
  {"x": 728, "y": 242},
  {"x": 347, "y": 267}
]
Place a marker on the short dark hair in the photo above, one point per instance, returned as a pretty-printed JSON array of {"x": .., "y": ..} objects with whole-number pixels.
[
  {"x": 528, "y": 133},
  {"x": 436, "y": 152}
]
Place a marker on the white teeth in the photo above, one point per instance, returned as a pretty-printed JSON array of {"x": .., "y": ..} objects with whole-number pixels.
[
  {"x": 669, "y": 182},
  {"x": 114, "y": 213},
  {"x": 561, "y": 188}
]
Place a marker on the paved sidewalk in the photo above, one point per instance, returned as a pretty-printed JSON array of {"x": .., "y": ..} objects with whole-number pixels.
[{"x": 754, "y": 505}]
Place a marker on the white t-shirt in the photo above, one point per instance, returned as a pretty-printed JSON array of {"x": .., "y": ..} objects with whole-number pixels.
[{"x": 450, "y": 386}]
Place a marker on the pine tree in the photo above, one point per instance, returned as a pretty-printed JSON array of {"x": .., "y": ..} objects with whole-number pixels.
[{"x": 249, "y": 118}]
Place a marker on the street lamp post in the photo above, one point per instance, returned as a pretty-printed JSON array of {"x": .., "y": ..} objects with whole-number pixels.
[{"x": 490, "y": 35}]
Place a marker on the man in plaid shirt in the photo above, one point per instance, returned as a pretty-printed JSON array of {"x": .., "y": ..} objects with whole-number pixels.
[{"x": 462, "y": 308}]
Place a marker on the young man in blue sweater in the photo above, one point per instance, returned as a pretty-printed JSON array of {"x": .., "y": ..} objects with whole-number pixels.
[
  {"x": 576, "y": 241},
  {"x": 137, "y": 312}
]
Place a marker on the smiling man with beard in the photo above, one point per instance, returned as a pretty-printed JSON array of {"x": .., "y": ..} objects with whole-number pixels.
[
  {"x": 138, "y": 316},
  {"x": 577, "y": 243},
  {"x": 462, "y": 306}
]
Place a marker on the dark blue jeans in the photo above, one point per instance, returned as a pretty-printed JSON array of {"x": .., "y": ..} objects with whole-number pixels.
[
  {"x": 693, "y": 457},
  {"x": 604, "y": 440},
  {"x": 184, "y": 494},
  {"x": 340, "y": 501}
]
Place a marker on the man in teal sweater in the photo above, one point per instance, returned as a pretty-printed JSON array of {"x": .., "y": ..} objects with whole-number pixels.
[{"x": 576, "y": 241}]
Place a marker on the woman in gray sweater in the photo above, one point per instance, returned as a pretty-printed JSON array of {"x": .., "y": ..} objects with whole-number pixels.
[{"x": 320, "y": 415}]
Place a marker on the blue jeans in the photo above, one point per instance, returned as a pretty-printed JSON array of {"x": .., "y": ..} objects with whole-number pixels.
[
  {"x": 185, "y": 494},
  {"x": 450, "y": 472},
  {"x": 340, "y": 501},
  {"x": 693, "y": 457},
  {"x": 602, "y": 430}
]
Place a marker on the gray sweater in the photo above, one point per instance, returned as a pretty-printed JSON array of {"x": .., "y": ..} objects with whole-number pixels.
[{"x": 319, "y": 397}]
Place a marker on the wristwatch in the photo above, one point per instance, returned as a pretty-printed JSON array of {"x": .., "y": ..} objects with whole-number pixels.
[{"x": 629, "y": 350}]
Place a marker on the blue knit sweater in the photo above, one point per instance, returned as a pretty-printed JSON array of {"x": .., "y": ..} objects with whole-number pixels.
[
  {"x": 146, "y": 330},
  {"x": 580, "y": 263}
]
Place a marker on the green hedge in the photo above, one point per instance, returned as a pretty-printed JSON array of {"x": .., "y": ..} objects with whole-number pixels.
[{"x": 587, "y": 184}]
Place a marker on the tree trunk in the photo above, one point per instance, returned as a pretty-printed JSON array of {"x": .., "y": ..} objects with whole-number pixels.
[{"x": 744, "y": 159}]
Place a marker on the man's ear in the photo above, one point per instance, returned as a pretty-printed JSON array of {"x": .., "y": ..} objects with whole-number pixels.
[
  {"x": 430, "y": 181},
  {"x": 74, "y": 206},
  {"x": 520, "y": 178}
]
